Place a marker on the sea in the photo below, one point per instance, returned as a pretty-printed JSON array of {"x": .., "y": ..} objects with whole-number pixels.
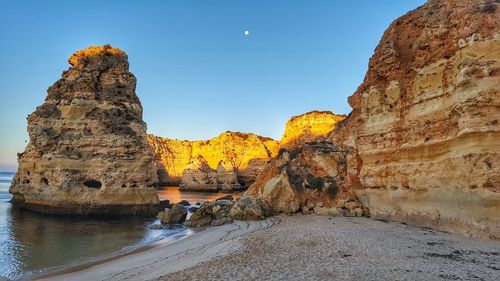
[{"x": 33, "y": 243}]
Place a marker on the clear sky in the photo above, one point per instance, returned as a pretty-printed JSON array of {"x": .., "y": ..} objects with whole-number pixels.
[{"x": 198, "y": 74}]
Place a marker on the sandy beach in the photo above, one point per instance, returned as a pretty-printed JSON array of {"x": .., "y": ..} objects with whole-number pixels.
[{"x": 307, "y": 247}]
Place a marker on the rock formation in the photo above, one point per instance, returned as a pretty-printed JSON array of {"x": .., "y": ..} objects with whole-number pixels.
[
  {"x": 88, "y": 152},
  {"x": 422, "y": 142},
  {"x": 308, "y": 127},
  {"x": 312, "y": 175},
  {"x": 426, "y": 120},
  {"x": 198, "y": 176},
  {"x": 246, "y": 153},
  {"x": 233, "y": 150},
  {"x": 174, "y": 215},
  {"x": 225, "y": 210}
]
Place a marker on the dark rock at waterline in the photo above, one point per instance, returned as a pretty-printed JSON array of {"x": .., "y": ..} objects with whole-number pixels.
[
  {"x": 220, "y": 212},
  {"x": 227, "y": 197},
  {"x": 184, "y": 203},
  {"x": 174, "y": 215}
]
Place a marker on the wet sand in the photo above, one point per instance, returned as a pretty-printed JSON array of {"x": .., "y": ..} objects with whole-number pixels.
[{"x": 308, "y": 248}]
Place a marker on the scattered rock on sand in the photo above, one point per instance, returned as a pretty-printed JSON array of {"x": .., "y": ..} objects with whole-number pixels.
[
  {"x": 176, "y": 214},
  {"x": 250, "y": 208},
  {"x": 208, "y": 212},
  {"x": 221, "y": 211}
]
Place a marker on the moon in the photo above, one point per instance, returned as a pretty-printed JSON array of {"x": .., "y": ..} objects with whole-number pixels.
[{"x": 247, "y": 32}]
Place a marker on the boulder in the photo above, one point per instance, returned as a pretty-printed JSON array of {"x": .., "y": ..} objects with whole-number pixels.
[
  {"x": 226, "y": 197},
  {"x": 208, "y": 212},
  {"x": 250, "y": 208},
  {"x": 184, "y": 203},
  {"x": 327, "y": 211},
  {"x": 176, "y": 214}
]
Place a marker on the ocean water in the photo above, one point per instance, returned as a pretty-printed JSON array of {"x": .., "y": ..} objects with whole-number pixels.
[{"x": 32, "y": 243}]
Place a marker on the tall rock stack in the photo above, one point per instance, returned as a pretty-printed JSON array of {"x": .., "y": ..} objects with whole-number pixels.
[
  {"x": 88, "y": 152},
  {"x": 426, "y": 120}
]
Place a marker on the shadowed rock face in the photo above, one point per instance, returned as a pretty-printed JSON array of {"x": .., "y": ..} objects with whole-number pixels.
[
  {"x": 311, "y": 176},
  {"x": 426, "y": 120},
  {"x": 88, "y": 152}
]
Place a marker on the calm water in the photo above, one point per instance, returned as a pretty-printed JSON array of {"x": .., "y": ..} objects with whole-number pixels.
[{"x": 32, "y": 242}]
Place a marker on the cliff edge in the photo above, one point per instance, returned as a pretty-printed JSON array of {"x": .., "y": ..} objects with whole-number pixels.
[{"x": 88, "y": 152}]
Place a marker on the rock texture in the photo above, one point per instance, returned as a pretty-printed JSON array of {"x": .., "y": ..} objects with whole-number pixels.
[
  {"x": 88, "y": 152},
  {"x": 308, "y": 127},
  {"x": 176, "y": 214},
  {"x": 426, "y": 120},
  {"x": 233, "y": 150},
  {"x": 199, "y": 176},
  {"x": 245, "y": 153},
  {"x": 213, "y": 213},
  {"x": 225, "y": 210},
  {"x": 312, "y": 175}
]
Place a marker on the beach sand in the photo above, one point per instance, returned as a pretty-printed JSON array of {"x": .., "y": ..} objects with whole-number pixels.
[{"x": 308, "y": 247}]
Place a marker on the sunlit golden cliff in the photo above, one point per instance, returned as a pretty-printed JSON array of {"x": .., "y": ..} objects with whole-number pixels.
[
  {"x": 244, "y": 152},
  {"x": 308, "y": 127},
  {"x": 233, "y": 149}
]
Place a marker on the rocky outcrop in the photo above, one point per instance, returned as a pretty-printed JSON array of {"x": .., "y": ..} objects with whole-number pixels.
[
  {"x": 425, "y": 121},
  {"x": 245, "y": 153},
  {"x": 198, "y": 176},
  {"x": 312, "y": 175},
  {"x": 233, "y": 150},
  {"x": 225, "y": 210},
  {"x": 88, "y": 152},
  {"x": 310, "y": 126}
]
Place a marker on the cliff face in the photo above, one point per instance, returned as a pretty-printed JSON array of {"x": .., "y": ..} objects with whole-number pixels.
[
  {"x": 309, "y": 126},
  {"x": 233, "y": 150},
  {"x": 425, "y": 121},
  {"x": 88, "y": 152},
  {"x": 198, "y": 175},
  {"x": 246, "y": 153}
]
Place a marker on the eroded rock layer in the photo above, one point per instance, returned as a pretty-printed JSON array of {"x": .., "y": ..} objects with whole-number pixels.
[
  {"x": 232, "y": 150},
  {"x": 88, "y": 152},
  {"x": 426, "y": 120},
  {"x": 244, "y": 152}
]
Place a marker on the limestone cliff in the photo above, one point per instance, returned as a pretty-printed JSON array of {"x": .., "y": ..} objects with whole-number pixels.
[
  {"x": 88, "y": 152},
  {"x": 198, "y": 175},
  {"x": 246, "y": 153},
  {"x": 309, "y": 126},
  {"x": 233, "y": 150},
  {"x": 425, "y": 121}
]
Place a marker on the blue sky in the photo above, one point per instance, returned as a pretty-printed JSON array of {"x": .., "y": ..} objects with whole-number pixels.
[{"x": 198, "y": 74}]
